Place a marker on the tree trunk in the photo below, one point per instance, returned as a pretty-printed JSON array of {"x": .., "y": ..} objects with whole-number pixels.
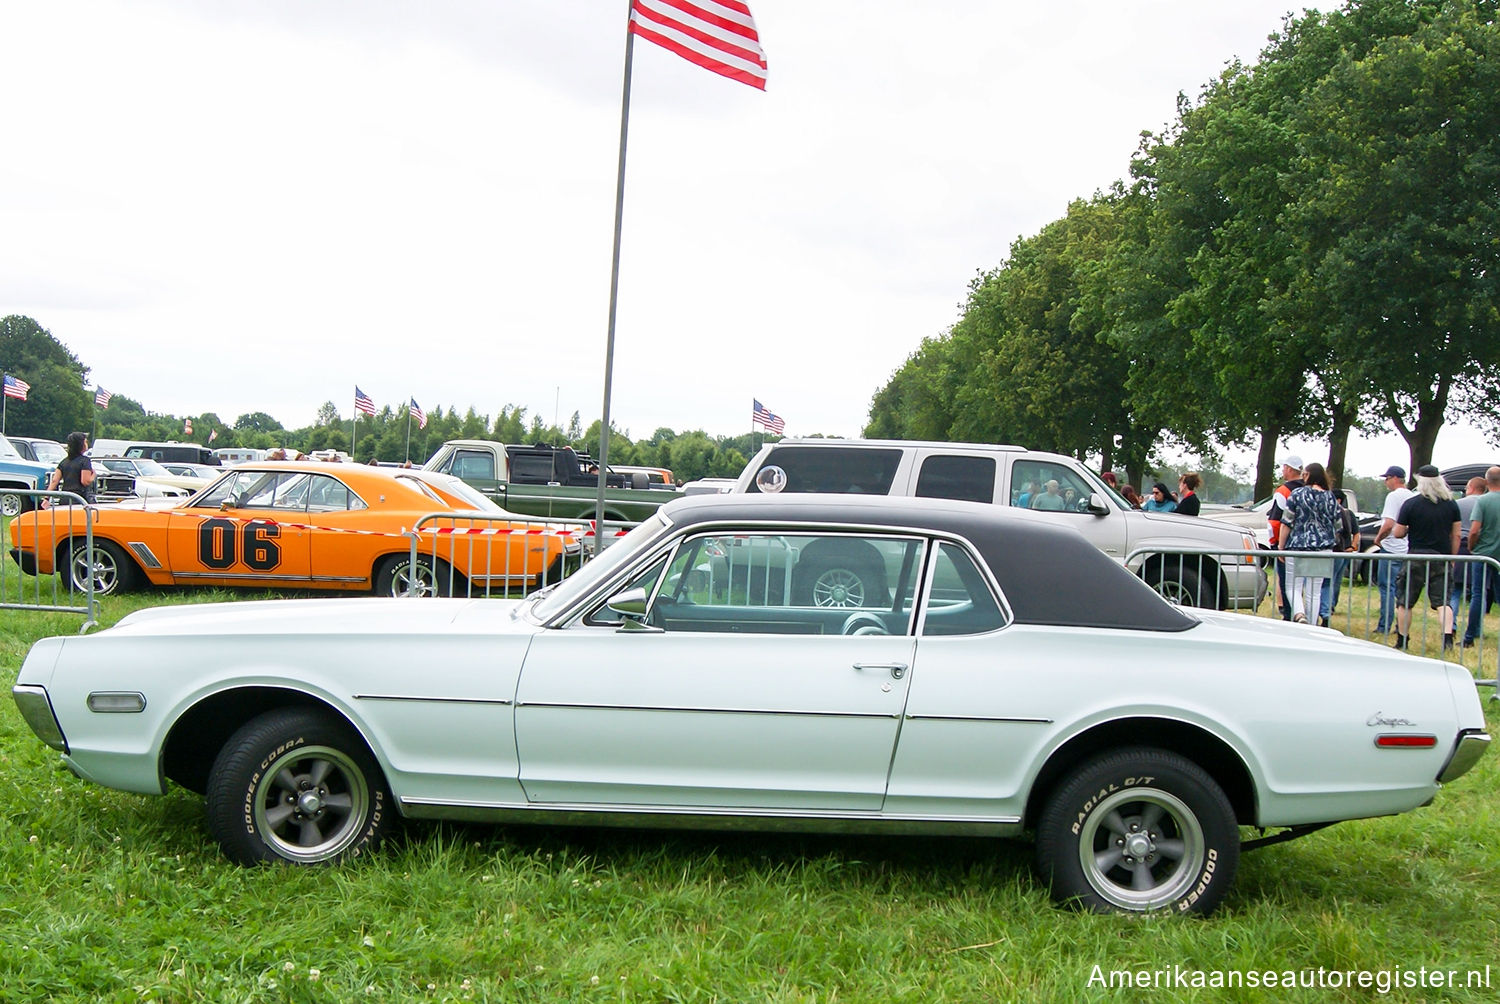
[
  {"x": 1265, "y": 459},
  {"x": 1421, "y": 438},
  {"x": 1344, "y": 415}
]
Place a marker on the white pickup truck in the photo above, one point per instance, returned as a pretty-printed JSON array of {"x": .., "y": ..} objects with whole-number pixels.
[{"x": 1058, "y": 488}]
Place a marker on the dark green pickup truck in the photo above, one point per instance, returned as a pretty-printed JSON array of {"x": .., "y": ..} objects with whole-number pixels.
[{"x": 547, "y": 481}]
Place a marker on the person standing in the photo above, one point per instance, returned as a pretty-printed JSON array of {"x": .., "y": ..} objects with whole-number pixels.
[
  {"x": 1161, "y": 499},
  {"x": 1346, "y": 541},
  {"x": 75, "y": 472},
  {"x": 1309, "y": 522},
  {"x": 1429, "y": 523},
  {"x": 1463, "y": 571},
  {"x": 1385, "y": 571},
  {"x": 1484, "y": 538},
  {"x": 1291, "y": 480},
  {"x": 1188, "y": 502}
]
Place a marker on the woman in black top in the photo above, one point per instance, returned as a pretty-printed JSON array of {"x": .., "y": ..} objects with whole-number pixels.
[{"x": 74, "y": 472}]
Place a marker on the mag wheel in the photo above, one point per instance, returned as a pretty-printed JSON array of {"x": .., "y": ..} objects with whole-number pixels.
[
  {"x": 428, "y": 576},
  {"x": 296, "y": 786},
  {"x": 1136, "y": 831},
  {"x": 107, "y": 566}
]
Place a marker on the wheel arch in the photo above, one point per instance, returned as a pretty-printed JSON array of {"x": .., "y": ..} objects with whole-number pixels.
[
  {"x": 1215, "y": 756},
  {"x": 200, "y": 732}
]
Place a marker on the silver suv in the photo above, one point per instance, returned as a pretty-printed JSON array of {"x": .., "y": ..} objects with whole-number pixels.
[{"x": 1057, "y": 488}]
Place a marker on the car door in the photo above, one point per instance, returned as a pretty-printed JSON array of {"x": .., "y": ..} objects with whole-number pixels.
[
  {"x": 729, "y": 694},
  {"x": 249, "y": 530}
]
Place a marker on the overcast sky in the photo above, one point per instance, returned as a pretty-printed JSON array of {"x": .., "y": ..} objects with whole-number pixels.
[{"x": 253, "y": 205}]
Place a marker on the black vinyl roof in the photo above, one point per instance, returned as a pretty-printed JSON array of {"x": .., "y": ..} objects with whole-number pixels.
[{"x": 1050, "y": 574}]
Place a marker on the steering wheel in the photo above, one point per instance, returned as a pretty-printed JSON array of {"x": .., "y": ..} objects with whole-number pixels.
[{"x": 864, "y": 622}]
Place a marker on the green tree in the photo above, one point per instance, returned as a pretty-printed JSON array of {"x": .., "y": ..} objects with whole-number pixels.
[
  {"x": 1399, "y": 198},
  {"x": 57, "y": 402}
]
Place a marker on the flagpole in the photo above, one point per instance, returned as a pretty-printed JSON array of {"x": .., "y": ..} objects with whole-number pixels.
[
  {"x": 614, "y": 288},
  {"x": 354, "y": 426},
  {"x": 408, "y": 430}
]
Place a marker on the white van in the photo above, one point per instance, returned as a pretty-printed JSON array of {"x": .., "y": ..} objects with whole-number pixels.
[{"x": 1226, "y": 574}]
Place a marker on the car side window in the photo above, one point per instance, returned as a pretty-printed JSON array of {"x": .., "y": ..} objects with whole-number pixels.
[
  {"x": 803, "y": 584},
  {"x": 1047, "y": 486},
  {"x": 969, "y": 479},
  {"x": 960, "y": 601},
  {"x": 325, "y": 494}
]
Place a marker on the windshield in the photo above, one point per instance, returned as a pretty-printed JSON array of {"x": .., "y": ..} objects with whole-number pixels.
[
  {"x": 614, "y": 556},
  {"x": 49, "y": 453},
  {"x": 150, "y": 468},
  {"x": 7, "y": 450}
]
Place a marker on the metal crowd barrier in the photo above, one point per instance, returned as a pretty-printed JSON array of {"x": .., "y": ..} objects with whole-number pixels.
[
  {"x": 498, "y": 554},
  {"x": 52, "y": 593},
  {"x": 1360, "y": 611}
]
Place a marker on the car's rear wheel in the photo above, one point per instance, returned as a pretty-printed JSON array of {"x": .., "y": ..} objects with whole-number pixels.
[
  {"x": 428, "y": 576},
  {"x": 1182, "y": 584},
  {"x": 108, "y": 567},
  {"x": 295, "y": 786},
  {"x": 1139, "y": 830}
]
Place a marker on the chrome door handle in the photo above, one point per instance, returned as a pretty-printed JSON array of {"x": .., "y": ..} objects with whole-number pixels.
[{"x": 897, "y": 669}]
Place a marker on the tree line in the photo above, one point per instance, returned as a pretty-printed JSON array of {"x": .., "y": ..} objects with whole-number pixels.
[
  {"x": 1308, "y": 249},
  {"x": 60, "y": 402}
]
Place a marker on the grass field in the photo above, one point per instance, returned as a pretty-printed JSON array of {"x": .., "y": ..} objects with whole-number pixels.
[{"x": 108, "y": 896}]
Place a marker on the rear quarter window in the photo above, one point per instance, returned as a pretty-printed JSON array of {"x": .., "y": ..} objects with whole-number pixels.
[{"x": 836, "y": 470}]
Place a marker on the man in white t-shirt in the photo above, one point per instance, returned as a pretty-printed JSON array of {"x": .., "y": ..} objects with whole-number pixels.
[{"x": 1385, "y": 540}]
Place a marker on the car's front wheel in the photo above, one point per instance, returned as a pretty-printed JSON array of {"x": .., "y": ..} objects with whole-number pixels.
[
  {"x": 296, "y": 786},
  {"x": 1139, "y": 830},
  {"x": 106, "y": 565}
]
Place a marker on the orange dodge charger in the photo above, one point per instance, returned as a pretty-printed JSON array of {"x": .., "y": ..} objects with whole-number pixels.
[{"x": 302, "y": 525}]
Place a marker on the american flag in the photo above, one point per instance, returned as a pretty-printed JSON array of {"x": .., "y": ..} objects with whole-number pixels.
[
  {"x": 418, "y": 414},
  {"x": 718, "y": 35},
  {"x": 101, "y": 397},
  {"x": 761, "y": 415},
  {"x": 15, "y": 387},
  {"x": 363, "y": 403},
  {"x": 213, "y": 434}
]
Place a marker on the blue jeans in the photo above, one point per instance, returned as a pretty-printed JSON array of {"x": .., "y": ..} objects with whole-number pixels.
[
  {"x": 1385, "y": 581},
  {"x": 1328, "y": 602},
  {"x": 1483, "y": 594}
]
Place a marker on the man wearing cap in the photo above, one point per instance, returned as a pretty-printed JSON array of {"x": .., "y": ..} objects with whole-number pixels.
[
  {"x": 1291, "y": 480},
  {"x": 1429, "y": 522},
  {"x": 1385, "y": 571}
]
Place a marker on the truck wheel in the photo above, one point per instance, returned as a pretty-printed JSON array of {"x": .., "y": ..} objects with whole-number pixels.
[
  {"x": 1182, "y": 584},
  {"x": 1139, "y": 830},
  {"x": 835, "y": 581},
  {"x": 13, "y": 503}
]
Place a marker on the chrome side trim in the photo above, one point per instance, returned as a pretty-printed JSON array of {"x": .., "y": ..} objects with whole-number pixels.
[
  {"x": 1466, "y": 753},
  {"x": 708, "y": 711},
  {"x": 144, "y": 554},
  {"x": 715, "y": 818},
  {"x": 500, "y": 702},
  {"x": 979, "y": 718}
]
